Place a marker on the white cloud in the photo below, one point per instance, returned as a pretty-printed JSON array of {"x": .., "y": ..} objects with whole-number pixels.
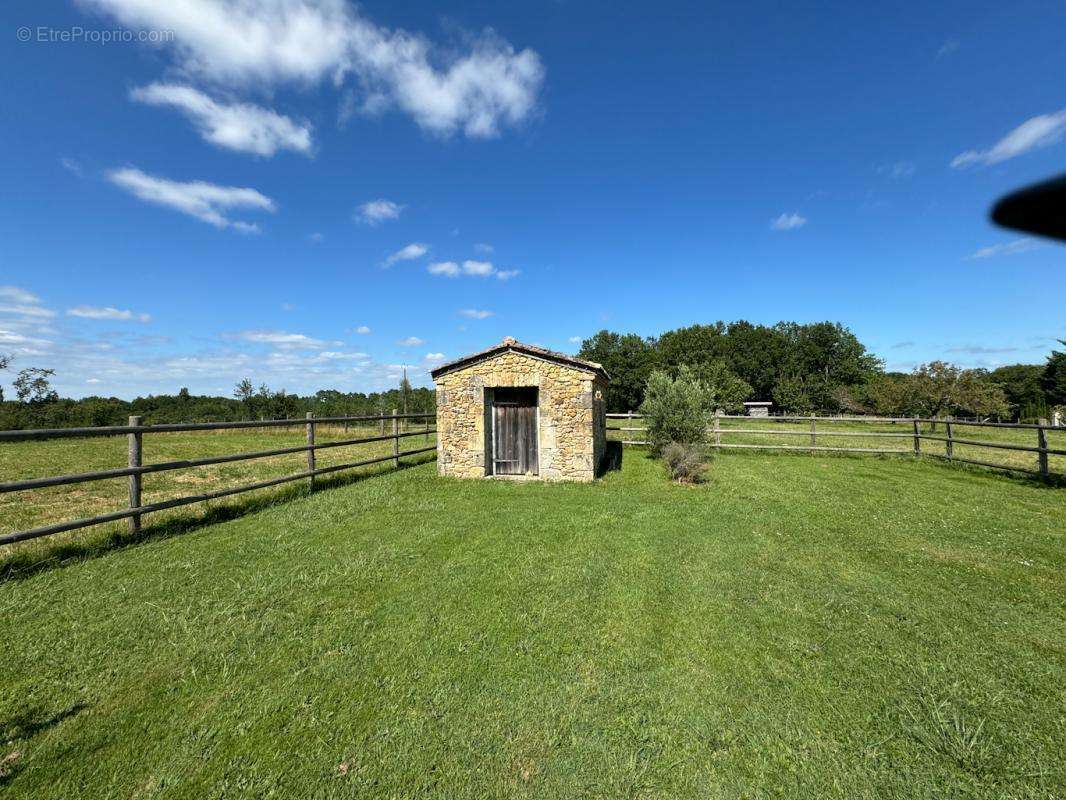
[
  {"x": 484, "y": 247},
  {"x": 316, "y": 238},
  {"x": 375, "y": 212},
  {"x": 482, "y": 269},
  {"x": 204, "y": 201},
  {"x": 435, "y": 356},
  {"x": 1006, "y": 248},
  {"x": 788, "y": 222},
  {"x": 447, "y": 268},
  {"x": 247, "y": 42},
  {"x": 238, "y": 126},
  {"x": 109, "y": 313},
  {"x": 946, "y": 49},
  {"x": 27, "y": 311},
  {"x": 72, "y": 166},
  {"x": 411, "y": 252},
  {"x": 362, "y": 330},
  {"x": 17, "y": 295},
  {"x": 1039, "y": 131},
  {"x": 575, "y": 340},
  {"x": 281, "y": 339},
  {"x": 410, "y": 341},
  {"x": 897, "y": 170},
  {"x": 475, "y": 313},
  {"x": 333, "y": 355},
  {"x": 93, "y": 380},
  {"x": 477, "y": 269}
]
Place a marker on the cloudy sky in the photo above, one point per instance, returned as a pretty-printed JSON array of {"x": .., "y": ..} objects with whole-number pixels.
[{"x": 311, "y": 193}]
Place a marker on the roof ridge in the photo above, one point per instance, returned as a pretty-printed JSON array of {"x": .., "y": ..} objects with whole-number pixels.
[{"x": 510, "y": 343}]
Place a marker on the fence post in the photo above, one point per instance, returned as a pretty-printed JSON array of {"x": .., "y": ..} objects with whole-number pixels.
[
  {"x": 950, "y": 446},
  {"x": 395, "y": 438},
  {"x": 814, "y": 437},
  {"x": 381, "y": 422},
  {"x": 135, "y": 443},
  {"x": 1041, "y": 442},
  {"x": 427, "y": 429},
  {"x": 311, "y": 447},
  {"x": 917, "y": 440},
  {"x": 717, "y": 428}
]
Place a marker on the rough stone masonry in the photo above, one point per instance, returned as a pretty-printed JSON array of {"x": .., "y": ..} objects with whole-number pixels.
[{"x": 572, "y": 403}]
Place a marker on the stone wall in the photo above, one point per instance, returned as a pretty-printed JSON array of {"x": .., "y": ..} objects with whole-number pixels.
[{"x": 570, "y": 445}]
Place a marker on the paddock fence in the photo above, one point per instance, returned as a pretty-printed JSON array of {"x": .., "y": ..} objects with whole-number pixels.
[
  {"x": 1021, "y": 447},
  {"x": 389, "y": 428}
]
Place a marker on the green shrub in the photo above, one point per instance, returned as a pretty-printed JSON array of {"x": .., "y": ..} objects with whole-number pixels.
[
  {"x": 676, "y": 409},
  {"x": 685, "y": 463}
]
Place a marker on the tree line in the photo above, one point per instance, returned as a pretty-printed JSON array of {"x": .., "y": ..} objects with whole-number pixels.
[
  {"x": 802, "y": 368},
  {"x": 819, "y": 368},
  {"x": 39, "y": 406}
]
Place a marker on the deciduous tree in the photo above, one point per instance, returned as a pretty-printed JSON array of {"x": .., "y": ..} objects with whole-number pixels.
[
  {"x": 32, "y": 386},
  {"x": 629, "y": 359}
]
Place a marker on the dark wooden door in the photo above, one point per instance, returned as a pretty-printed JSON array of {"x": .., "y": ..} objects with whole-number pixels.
[{"x": 514, "y": 445}]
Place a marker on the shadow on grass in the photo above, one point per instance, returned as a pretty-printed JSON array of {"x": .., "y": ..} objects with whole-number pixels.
[
  {"x": 19, "y": 566},
  {"x": 612, "y": 459},
  {"x": 22, "y": 727}
]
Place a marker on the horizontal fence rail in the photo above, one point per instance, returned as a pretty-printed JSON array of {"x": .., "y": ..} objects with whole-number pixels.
[
  {"x": 914, "y": 433},
  {"x": 135, "y": 433}
]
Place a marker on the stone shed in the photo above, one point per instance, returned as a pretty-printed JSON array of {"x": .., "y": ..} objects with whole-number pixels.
[{"x": 516, "y": 410}]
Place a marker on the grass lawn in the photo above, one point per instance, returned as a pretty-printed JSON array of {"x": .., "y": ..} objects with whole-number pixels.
[
  {"x": 802, "y": 626},
  {"x": 33, "y": 459},
  {"x": 837, "y": 434}
]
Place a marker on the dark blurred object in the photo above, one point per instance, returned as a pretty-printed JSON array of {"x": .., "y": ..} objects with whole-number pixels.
[{"x": 1039, "y": 209}]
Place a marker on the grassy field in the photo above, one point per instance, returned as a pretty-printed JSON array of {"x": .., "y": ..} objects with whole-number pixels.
[
  {"x": 31, "y": 459},
  {"x": 901, "y": 438},
  {"x": 799, "y": 627}
]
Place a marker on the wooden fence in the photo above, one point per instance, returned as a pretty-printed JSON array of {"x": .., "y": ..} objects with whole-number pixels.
[
  {"x": 136, "y": 469},
  {"x": 915, "y": 431}
]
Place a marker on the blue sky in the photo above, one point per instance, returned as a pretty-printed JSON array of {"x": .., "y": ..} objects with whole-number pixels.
[{"x": 311, "y": 193}]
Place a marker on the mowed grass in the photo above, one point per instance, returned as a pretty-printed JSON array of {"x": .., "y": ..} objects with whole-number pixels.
[
  {"x": 799, "y": 627},
  {"x": 892, "y": 436},
  {"x": 32, "y": 459}
]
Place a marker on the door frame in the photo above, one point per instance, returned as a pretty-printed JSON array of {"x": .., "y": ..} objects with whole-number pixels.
[{"x": 489, "y": 402}]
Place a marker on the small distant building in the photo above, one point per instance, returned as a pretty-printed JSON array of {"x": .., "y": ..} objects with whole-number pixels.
[
  {"x": 517, "y": 410},
  {"x": 758, "y": 408}
]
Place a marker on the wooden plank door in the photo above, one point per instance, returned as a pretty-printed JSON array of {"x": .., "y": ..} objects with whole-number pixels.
[{"x": 515, "y": 432}]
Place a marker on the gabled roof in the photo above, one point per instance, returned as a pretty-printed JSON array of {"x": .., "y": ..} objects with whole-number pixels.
[{"x": 513, "y": 345}]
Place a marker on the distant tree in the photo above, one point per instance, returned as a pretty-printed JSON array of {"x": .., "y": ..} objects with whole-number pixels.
[
  {"x": 979, "y": 396},
  {"x": 676, "y": 409},
  {"x": 694, "y": 346},
  {"x": 758, "y": 354},
  {"x": 891, "y": 395},
  {"x": 5, "y": 362},
  {"x": 725, "y": 390},
  {"x": 183, "y": 394},
  {"x": 1021, "y": 383},
  {"x": 792, "y": 394},
  {"x": 244, "y": 390},
  {"x": 937, "y": 389},
  {"x": 32, "y": 386},
  {"x": 1053, "y": 381},
  {"x": 629, "y": 359},
  {"x": 827, "y": 356},
  {"x": 405, "y": 391}
]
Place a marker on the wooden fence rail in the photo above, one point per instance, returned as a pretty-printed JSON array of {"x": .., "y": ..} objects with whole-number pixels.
[
  {"x": 135, "y": 469},
  {"x": 914, "y": 433}
]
